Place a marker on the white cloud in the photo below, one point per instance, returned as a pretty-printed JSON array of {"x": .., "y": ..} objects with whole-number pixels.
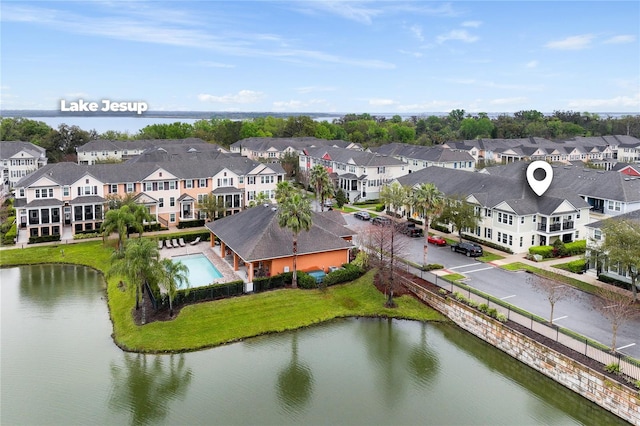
[
  {"x": 572, "y": 43},
  {"x": 382, "y": 102},
  {"x": 620, "y": 39},
  {"x": 417, "y": 32},
  {"x": 347, "y": 10},
  {"x": 432, "y": 106},
  {"x": 242, "y": 97},
  {"x": 531, "y": 64},
  {"x": 414, "y": 54},
  {"x": 461, "y": 35},
  {"x": 472, "y": 24},
  {"x": 77, "y": 95},
  {"x": 624, "y": 102},
  {"x": 508, "y": 101},
  {"x": 297, "y": 105}
]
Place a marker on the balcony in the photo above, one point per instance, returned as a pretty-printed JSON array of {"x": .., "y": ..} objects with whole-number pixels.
[
  {"x": 567, "y": 225},
  {"x": 556, "y": 227}
]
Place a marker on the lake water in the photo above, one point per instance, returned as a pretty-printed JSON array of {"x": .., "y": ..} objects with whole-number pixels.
[{"x": 59, "y": 366}]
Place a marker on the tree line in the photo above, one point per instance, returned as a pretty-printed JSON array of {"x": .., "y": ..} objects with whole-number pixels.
[{"x": 366, "y": 129}]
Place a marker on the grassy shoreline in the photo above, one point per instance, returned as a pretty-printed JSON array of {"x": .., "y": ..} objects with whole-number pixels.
[{"x": 210, "y": 324}]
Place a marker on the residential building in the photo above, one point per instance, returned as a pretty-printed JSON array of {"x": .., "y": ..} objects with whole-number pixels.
[
  {"x": 254, "y": 238},
  {"x": 360, "y": 174},
  {"x": 272, "y": 149},
  {"x": 597, "y": 261},
  {"x": 18, "y": 159},
  {"x": 418, "y": 157},
  {"x": 68, "y": 194},
  {"x": 511, "y": 214},
  {"x": 609, "y": 193},
  {"x": 101, "y": 150}
]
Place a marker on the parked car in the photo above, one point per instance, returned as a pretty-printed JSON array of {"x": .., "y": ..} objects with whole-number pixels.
[
  {"x": 437, "y": 240},
  {"x": 362, "y": 215},
  {"x": 381, "y": 221},
  {"x": 328, "y": 203},
  {"x": 470, "y": 249},
  {"x": 410, "y": 229}
]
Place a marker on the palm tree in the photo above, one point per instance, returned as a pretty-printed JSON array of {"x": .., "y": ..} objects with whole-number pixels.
[
  {"x": 140, "y": 216},
  {"x": 321, "y": 182},
  {"x": 295, "y": 214},
  {"x": 118, "y": 220},
  {"x": 174, "y": 275},
  {"x": 427, "y": 201},
  {"x": 283, "y": 190},
  {"x": 138, "y": 264}
]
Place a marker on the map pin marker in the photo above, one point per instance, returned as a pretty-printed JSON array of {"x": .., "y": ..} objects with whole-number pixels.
[{"x": 539, "y": 186}]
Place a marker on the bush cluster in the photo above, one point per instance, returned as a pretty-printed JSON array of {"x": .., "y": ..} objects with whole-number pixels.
[
  {"x": 8, "y": 231},
  {"x": 85, "y": 235},
  {"x": 488, "y": 243},
  {"x": 560, "y": 249},
  {"x": 440, "y": 228},
  {"x": 44, "y": 239},
  {"x": 484, "y": 308},
  {"x": 576, "y": 266},
  {"x": 348, "y": 272},
  {"x": 191, "y": 224},
  {"x": 610, "y": 280}
]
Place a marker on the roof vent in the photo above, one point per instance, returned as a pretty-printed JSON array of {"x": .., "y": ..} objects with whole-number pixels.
[
  {"x": 266, "y": 204},
  {"x": 274, "y": 208}
]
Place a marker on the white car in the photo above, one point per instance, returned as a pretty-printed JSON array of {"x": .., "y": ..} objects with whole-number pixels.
[{"x": 362, "y": 215}]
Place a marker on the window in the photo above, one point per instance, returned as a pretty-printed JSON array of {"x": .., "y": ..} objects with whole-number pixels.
[
  {"x": 251, "y": 180},
  {"x": 113, "y": 189},
  {"x": 21, "y": 192},
  {"x": 381, "y": 170},
  {"x": 172, "y": 184},
  {"x": 487, "y": 233},
  {"x": 522, "y": 219},
  {"x": 251, "y": 195},
  {"x": 510, "y": 240},
  {"x": 65, "y": 191},
  {"x": 614, "y": 205},
  {"x": 161, "y": 202},
  {"x": 172, "y": 217},
  {"x": 577, "y": 235},
  {"x": 487, "y": 212},
  {"x": 202, "y": 183},
  {"x": 148, "y": 186},
  {"x": 266, "y": 179},
  {"x": 130, "y": 187},
  {"x": 533, "y": 218},
  {"x": 240, "y": 179},
  {"x": 533, "y": 240},
  {"x": 597, "y": 234},
  {"x": 172, "y": 202},
  {"x": 188, "y": 183},
  {"x": 521, "y": 241}
]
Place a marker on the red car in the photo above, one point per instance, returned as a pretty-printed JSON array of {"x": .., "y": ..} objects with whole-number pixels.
[{"x": 437, "y": 240}]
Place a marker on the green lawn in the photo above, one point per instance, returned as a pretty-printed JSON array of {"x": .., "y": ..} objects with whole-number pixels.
[
  {"x": 453, "y": 277},
  {"x": 213, "y": 323},
  {"x": 519, "y": 266},
  {"x": 489, "y": 257}
]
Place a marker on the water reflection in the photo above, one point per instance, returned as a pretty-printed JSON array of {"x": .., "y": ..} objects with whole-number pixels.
[
  {"x": 146, "y": 385},
  {"x": 423, "y": 362},
  {"x": 295, "y": 381},
  {"x": 47, "y": 285}
]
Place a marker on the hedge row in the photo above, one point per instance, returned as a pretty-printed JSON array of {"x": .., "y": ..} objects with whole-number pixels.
[
  {"x": 441, "y": 228},
  {"x": 348, "y": 272},
  {"x": 610, "y": 280},
  {"x": 210, "y": 292},
  {"x": 44, "y": 239},
  {"x": 487, "y": 243},
  {"x": 559, "y": 249},
  {"x": 191, "y": 224}
]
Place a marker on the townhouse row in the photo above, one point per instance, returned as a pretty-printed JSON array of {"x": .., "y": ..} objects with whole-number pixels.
[{"x": 71, "y": 195}]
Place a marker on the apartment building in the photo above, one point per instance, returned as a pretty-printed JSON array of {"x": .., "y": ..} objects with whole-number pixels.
[
  {"x": 272, "y": 149},
  {"x": 419, "y": 157},
  {"x": 511, "y": 214},
  {"x": 360, "y": 174},
  {"x": 72, "y": 195},
  {"x": 17, "y": 160}
]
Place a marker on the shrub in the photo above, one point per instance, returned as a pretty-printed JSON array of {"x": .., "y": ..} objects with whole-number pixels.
[
  {"x": 44, "y": 239},
  {"x": 10, "y": 237},
  {"x": 610, "y": 280},
  {"x": 638, "y": 384},
  {"x": 488, "y": 243},
  {"x": 6, "y": 225},
  {"x": 576, "y": 266},
  {"x": 559, "y": 250},
  {"x": 501, "y": 317},
  {"x": 576, "y": 247},
  {"x": 432, "y": 267},
  {"x": 492, "y": 312},
  {"x": 85, "y": 235},
  {"x": 379, "y": 207},
  {"x": 349, "y": 272},
  {"x": 191, "y": 223},
  {"x": 443, "y": 292},
  {"x": 459, "y": 296},
  {"x": 612, "y": 368},
  {"x": 473, "y": 304},
  {"x": 305, "y": 280},
  {"x": 440, "y": 228},
  {"x": 545, "y": 251},
  {"x": 483, "y": 308}
]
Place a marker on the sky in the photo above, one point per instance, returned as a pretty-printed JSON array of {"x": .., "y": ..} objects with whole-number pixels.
[{"x": 372, "y": 57}]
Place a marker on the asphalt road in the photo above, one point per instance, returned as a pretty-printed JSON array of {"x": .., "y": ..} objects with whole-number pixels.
[{"x": 577, "y": 312}]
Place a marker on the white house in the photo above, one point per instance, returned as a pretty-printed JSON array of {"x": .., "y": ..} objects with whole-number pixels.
[{"x": 17, "y": 160}]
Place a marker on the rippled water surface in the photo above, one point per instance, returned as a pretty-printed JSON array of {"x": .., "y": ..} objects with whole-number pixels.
[{"x": 60, "y": 366}]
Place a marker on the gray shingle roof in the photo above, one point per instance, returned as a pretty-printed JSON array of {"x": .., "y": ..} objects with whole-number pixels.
[
  {"x": 360, "y": 158},
  {"x": 438, "y": 153},
  {"x": 491, "y": 190},
  {"x": 280, "y": 144},
  {"x": 10, "y": 148},
  {"x": 631, "y": 216},
  {"x": 254, "y": 234},
  {"x": 117, "y": 145}
]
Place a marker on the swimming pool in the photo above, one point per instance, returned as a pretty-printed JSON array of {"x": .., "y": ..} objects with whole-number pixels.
[{"x": 201, "y": 270}]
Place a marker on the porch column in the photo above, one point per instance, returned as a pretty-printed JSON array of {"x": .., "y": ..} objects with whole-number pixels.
[
  {"x": 212, "y": 240},
  {"x": 235, "y": 261},
  {"x": 223, "y": 249},
  {"x": 250, "y": 272}
]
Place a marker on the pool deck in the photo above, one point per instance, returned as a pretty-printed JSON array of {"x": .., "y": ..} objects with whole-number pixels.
[{"x": 213, "y": 254}]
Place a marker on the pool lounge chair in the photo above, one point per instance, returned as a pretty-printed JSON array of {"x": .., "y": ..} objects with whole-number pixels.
[
  {"x": 196, "y": 241},
  {"x": 175, "y": 243},
  {"x": 168, "y": 243},
  {"x": 160, "y": 244},
  {"x": 181, "y": 242}
]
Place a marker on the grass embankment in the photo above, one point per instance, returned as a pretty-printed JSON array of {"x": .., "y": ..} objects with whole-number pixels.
[
  {"x": 519, "y": 266},
  {"x": 214, "y": 323}
]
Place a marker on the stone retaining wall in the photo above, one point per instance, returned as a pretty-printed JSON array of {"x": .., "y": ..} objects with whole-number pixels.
[{"x": 615, "y": 397}]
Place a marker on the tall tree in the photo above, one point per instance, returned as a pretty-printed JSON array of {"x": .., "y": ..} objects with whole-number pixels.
[
  {"x": 554, "y": 291},
  {"x": 140, "y": 263},
  {"x": 140, "y": 216},
  {"x": 283, "y": 190},
  {"x": 427, "y": 201},
  {"x": 394, "y": 196},
  {"x": 210, "y": 205},
  {"x": 321, "y": 182},
  {"x": 460, "y": 213},
  {"x": 621, "y": 245},
  {"x": 118, "y": 220},
  {"x": 295, "y": 214},
  {"x": 617, "y": 307},
  {"x": 174, "y": 275}
]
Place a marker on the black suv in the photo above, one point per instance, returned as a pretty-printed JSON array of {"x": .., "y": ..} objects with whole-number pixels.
[
  {"x": 470, "y": 249},
  {"x": 410, "y": 229}
]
